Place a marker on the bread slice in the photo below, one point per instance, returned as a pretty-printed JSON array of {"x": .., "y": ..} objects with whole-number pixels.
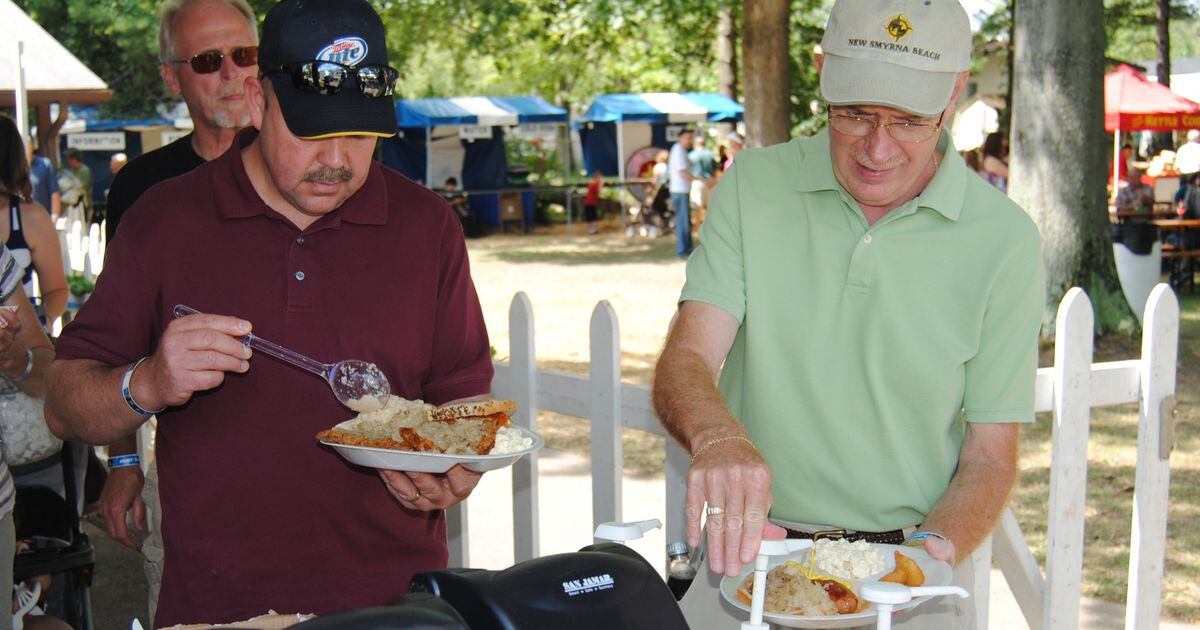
[
  {"x": 477, "y": 409},
  {"x": 338, "y": 436}
]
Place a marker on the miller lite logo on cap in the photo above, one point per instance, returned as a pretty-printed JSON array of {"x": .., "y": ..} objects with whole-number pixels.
[{"x": 348, "y": 51}]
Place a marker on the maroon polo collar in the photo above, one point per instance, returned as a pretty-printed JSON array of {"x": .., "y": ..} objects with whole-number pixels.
[{"x": 367, "y": 206}]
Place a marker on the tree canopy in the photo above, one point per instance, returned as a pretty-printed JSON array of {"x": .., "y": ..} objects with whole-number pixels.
[{"x": 566, "y": 51}]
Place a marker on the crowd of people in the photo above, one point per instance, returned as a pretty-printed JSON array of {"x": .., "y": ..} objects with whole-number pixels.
[
  {"x": 29, "y": 244},
  {"x": 681, "y": 181},
  {"x": 272, "y": 216}
]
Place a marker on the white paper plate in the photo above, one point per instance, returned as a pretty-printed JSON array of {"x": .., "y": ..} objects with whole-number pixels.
[
  {"x": 937, "y": 573},
  {"x": 413, "y": 461}
]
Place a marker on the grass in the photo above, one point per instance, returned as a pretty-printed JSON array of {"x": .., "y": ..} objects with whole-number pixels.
[
  {"x": 565, "y": 276},
  {"x": 1112, "y": 458}
]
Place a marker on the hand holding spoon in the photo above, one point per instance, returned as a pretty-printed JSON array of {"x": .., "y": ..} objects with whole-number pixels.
[{"x": 358, "y": 385}]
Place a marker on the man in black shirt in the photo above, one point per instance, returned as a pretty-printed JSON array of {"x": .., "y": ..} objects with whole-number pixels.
[
  {"x": 208, "y": 48},
  {"x": 144, "y": 171},
  {"x": 202, "y": 44}
]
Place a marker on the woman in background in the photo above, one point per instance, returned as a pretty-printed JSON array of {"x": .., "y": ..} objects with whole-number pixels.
[
  {"x": 26, "y": 228},
  {"x": 994, "y": 166}
]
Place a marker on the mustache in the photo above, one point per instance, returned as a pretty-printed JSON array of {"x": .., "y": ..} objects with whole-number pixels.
[
  {"x": 864, "y": 160},
  {"x": 327, "y": 175},
  {"x": 232, "y": 89}
]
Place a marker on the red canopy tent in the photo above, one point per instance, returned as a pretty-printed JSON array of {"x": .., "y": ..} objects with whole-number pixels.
[{"x": 1134, "y": 103}]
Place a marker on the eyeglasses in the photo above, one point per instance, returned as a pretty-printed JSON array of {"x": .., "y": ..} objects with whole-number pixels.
[
  {"x": 901, "y": 131},
  {"x": 210, "y": 60},
  {"x": 327, "y": 77}
]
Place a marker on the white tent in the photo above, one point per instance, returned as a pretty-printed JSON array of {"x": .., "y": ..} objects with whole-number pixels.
[
  {"x": 51, "y": 73},
  {"x": 973, "y": 124}
]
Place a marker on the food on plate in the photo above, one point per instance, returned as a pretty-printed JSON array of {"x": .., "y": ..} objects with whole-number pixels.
[
  {"x": 907, "y": 572},
  {"x": 847, "y": 560},
  {"x": 365, "y": 403},
  {"x": 511, "y": 440},
  {"x": 413, "y": 425},
  {"x": 791, "y": 592}
]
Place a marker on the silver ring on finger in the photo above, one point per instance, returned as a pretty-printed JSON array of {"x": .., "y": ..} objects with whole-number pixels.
[{"x": 713, "y": 510}]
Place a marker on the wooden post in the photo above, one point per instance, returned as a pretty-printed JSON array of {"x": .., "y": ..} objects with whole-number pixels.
[
  {"x": 456, "y": 535},
  {"x": 523, "y": 379},
  {"x": 676, "y": 482},
  {"x": 981, "y": 565},
  {"x": 1152, "y": 481},
  {"x": 1020, "y": 568},
  {"x": 1068, "y": 473},
  {"x": 604, "y": 394}
]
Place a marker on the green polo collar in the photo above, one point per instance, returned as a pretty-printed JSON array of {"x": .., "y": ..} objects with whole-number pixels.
[{"x": 943, "y": 195}]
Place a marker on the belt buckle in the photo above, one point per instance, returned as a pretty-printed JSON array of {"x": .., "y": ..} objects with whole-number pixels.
[{"x": 832, "y": 534}]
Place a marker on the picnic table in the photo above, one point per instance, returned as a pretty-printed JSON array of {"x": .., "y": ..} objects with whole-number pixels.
[
  {"x": 1119, "y": 215},
  {"x": 1182, "y": 259}
]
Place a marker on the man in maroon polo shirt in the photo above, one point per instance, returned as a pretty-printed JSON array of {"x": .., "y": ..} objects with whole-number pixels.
[{"x": 297, "y": 231}]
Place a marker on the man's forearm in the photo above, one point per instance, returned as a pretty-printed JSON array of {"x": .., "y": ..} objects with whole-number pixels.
[
  {"x": 687, "y": 401},
  {"x": 84, "y": 402},
  {"x": 971, "y": 505}
]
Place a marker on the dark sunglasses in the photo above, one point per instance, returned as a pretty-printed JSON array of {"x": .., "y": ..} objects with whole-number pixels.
[
  {"x": 327, "y": 77},
  {"x": 211, "y": 60}
]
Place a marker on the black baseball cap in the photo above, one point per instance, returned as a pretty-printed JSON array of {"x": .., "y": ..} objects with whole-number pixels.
[{"x": 348, "y": 32}]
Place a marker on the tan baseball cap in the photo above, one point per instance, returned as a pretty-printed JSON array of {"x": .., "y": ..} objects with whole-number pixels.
[{"x": 898, "y": 53}]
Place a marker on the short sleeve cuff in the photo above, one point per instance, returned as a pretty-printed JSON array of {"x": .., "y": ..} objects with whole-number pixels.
[
  {"x": 65, "y": 349},
  {"x": 988, "y": 416},
  {"x": 733, "y": 307}
]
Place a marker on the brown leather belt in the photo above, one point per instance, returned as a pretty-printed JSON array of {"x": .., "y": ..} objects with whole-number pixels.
[{"x": 894, "y": 537}]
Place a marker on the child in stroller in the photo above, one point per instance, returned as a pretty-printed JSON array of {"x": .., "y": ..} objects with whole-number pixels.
[{"x": 652, "y": 217}]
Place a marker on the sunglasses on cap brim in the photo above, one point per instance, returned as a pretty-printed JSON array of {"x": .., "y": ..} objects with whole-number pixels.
[
  {"x": 210, "y": 61},
  {"x": 327, "y": 77}
]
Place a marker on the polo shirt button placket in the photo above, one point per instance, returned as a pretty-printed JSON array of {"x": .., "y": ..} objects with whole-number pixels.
[{"x": 867, "y": 239}]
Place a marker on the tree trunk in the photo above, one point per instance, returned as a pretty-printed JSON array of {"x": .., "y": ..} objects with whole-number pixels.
[
  {"x": 727, "y": 75},
  {"x": 1164, "y": 42},
  {"x": 1058, "y": 165},
  {"x": 765, "y": 58},
  {"x": 1009, "y": 53},
  {"x": 1166, "y": 139}
]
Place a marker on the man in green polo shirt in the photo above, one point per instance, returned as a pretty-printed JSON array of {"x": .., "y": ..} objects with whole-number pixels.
[{"x": 875, "y": 306}]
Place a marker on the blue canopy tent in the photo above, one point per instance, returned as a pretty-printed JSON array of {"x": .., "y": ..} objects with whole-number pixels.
[
  {"x": 464, "y": 138},
  {"x": 609, "y": 140}
]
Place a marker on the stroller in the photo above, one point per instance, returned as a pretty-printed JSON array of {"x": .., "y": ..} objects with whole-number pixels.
[
  {"x": 57, "y": 545},
  {"x": 653, "y": 217}
]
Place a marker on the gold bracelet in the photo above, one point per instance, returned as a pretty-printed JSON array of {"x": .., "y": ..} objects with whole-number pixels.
[{"x": 718, "y": 440}]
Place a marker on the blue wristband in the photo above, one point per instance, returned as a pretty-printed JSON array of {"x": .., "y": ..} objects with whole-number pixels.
[
  {"x": 123, "y": 461},
  {"x": 919, "y": 538}
]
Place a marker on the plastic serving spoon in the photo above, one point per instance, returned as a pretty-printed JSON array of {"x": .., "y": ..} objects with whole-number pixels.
[{"x": 359, "y": 385}]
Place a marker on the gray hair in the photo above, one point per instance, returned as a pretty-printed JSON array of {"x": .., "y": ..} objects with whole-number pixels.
[{"x": 171, "y": 10}]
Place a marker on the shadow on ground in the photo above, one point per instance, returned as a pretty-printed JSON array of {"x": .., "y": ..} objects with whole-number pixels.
[{"x": 604, "y": 251}]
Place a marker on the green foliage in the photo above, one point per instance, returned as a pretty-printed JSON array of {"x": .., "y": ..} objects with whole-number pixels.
[
  {"x": 116, "y": 39},
  {"x": 567, "y": 51},
  {"x": 79, "y": 284},
  {"x": 1130, "y": 27}
]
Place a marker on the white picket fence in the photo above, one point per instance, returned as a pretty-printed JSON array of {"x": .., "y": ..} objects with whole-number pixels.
[{"x": 1049, "y": 600}]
